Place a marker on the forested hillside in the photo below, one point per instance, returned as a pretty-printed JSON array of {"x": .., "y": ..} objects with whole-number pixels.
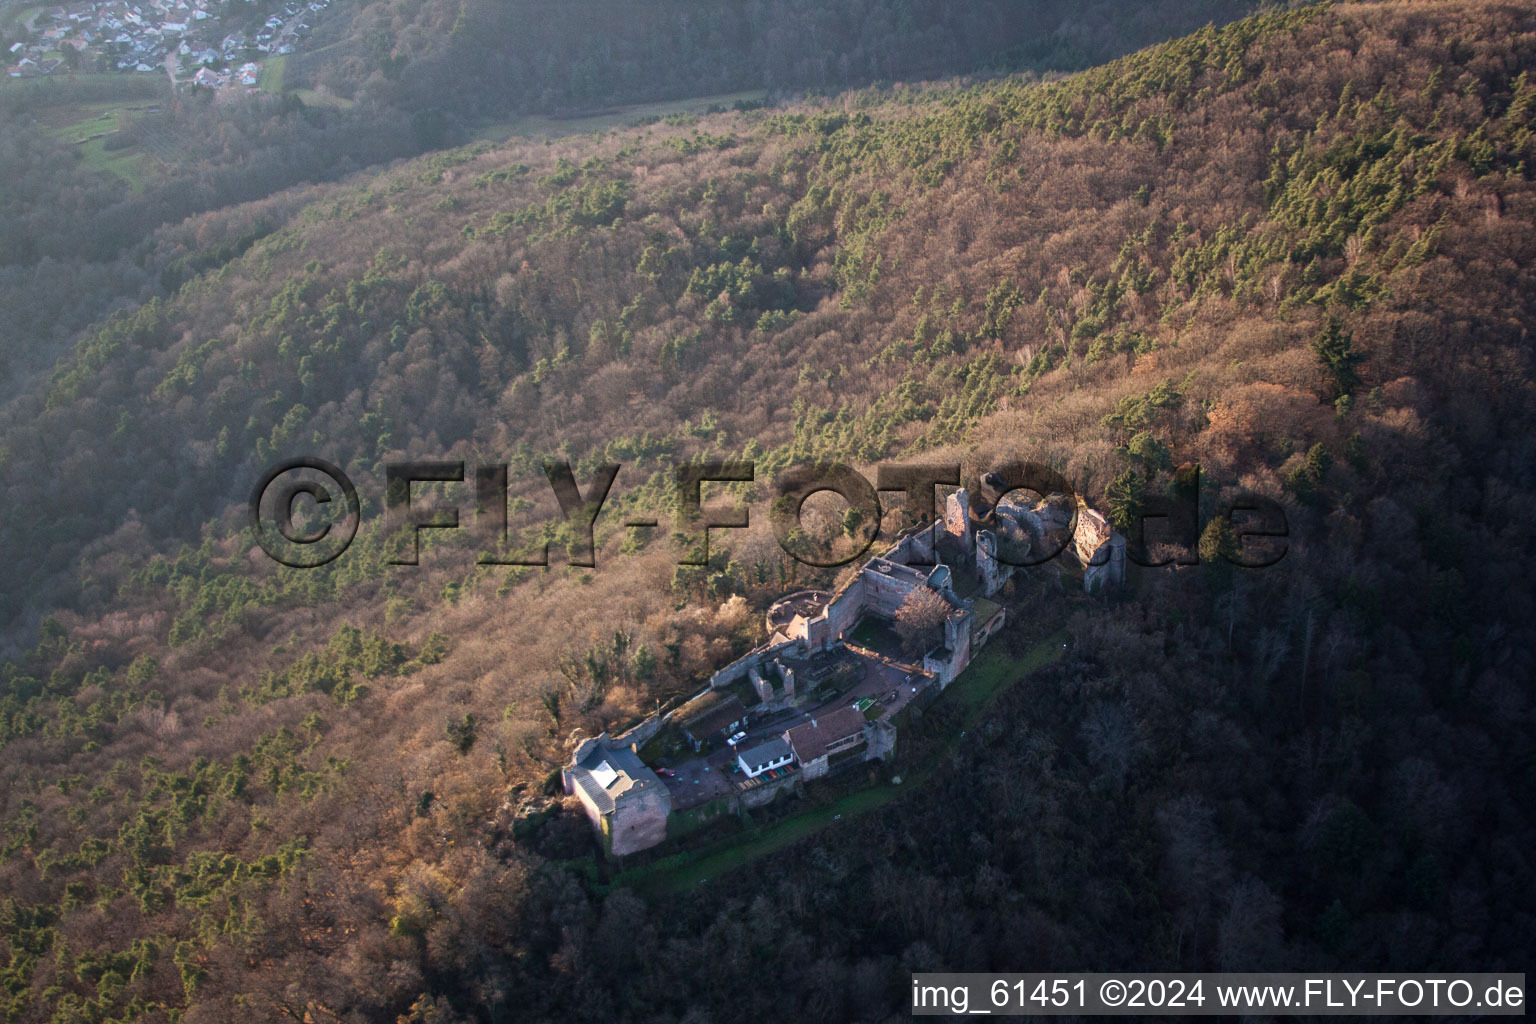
[
  {"x": 497, "y": 55},
  {"x": 1296, "y": 250},
  {"x": 76, "y": 243},
  {"x": 385, "y": 79}
]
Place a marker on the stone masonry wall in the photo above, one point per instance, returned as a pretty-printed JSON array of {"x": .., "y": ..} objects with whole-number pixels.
[
  {"x": 639, "y": 822},
  {"x": 883, "y": 593}
]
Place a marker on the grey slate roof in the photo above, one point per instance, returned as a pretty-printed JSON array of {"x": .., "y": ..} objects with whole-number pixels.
[
  {"x": 624, "y": 771},
  {"x": 765, "y": 753}
]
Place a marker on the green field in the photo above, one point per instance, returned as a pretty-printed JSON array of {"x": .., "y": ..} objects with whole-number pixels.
[
  {"x": 75, "y": 122},
  {"x": 272, "y": 73},
  {"x": 18, "y": 14},
  {"x": 127, "y": 164},
  {"x": 975, "y": 688},
  {"x": 542, "y": 126},
  {"x": 105, "y": 84},
  {"x": 322, "y": 98},
  {"x": 86, "y": 126}
]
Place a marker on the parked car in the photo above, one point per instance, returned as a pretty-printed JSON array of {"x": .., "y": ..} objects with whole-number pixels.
[{"x": 737, "y": 738}]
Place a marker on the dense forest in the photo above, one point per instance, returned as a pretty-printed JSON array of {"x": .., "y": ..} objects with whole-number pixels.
[
  {"x": 528, "y": 56},
  {"x": 396, "y": 78},
  {"x": 76, "y": 244},
  {"x": 1295, "y": 250}
]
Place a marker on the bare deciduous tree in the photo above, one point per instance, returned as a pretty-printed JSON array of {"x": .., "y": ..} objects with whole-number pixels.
[{"x": 920, "y": 620}]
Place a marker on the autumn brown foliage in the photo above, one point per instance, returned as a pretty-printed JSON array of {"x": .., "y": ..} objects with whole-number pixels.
[{"x": 239, "y": 792}]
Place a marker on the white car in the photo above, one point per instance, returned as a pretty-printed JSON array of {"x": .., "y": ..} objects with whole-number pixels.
[{"x": 737, "y": 738}]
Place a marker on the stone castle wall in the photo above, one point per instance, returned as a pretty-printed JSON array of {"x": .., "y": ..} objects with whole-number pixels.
[
  {"x": 641, "y": 734},
  {"x": 639, "y": 821},
  {"x": 883, "y": 593},
  {"x": 757, "y": 796}
]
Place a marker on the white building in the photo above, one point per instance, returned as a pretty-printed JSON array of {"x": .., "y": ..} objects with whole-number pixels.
[{"x": 765, "y": 757}]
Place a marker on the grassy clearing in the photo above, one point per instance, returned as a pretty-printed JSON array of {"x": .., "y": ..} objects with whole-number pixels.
[
  {"x": 994, "y": 671},
  {"x": 77, "y": 121},
  {"x": 20, "y": 14},
  {"x": 541, "y": 126},
  {"x": 111, "y": 84},
  {"x": 87, "y": 126},
  {"x": 683, "y": 870},
  {"x": 983, "y": 680},
  {"x": 127, "y": 164},
  {"x": 272, "y": 73},
  {"x": 323, "y": 98}
]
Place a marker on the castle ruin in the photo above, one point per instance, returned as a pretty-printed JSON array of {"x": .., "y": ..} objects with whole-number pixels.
[{"x": 782, "y": 699}]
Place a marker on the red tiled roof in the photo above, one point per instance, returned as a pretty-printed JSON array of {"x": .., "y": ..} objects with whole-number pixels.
[{"x": 810, "y": 740}]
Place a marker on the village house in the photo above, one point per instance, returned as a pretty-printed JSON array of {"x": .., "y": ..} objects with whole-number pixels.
[
  {"x": 139, "y": 37},
  {"x": 815, "y": 742},
  {"x": 764, "y": 758}
]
